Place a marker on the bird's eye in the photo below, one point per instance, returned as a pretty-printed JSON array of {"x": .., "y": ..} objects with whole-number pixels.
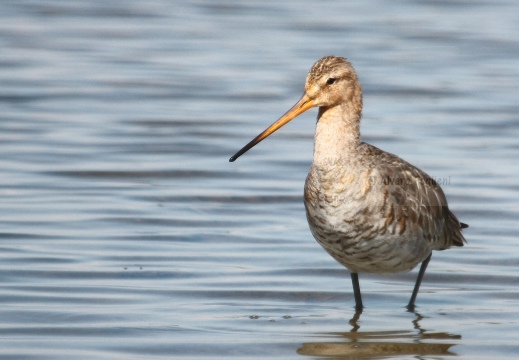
[{"x": 330, "y": 81}]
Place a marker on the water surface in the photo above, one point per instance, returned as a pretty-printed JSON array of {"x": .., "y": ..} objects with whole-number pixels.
[{"x": 125, "y": 232}]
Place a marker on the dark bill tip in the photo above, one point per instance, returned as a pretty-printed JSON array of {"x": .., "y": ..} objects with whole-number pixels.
[{"x": 302, "y": 105}]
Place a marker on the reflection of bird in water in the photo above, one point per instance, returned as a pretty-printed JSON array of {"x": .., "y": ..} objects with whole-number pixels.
[
  {"x": 374, "y": 345},
  {"x": 369, "y": 209},
  {"x": 378, "y": 344}
]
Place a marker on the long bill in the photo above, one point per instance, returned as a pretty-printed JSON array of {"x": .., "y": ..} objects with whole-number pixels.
[{"x": 300, "y": 107}]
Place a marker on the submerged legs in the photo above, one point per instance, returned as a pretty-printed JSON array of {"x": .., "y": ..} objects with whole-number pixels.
[
  {"x": 421, "y": 273},
  {"x": 410, "y": 306}
]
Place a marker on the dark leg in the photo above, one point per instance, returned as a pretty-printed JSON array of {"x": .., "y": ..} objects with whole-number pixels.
[
  {"x": 421, "y": 273},
  {"x": 356, "y": 292}
]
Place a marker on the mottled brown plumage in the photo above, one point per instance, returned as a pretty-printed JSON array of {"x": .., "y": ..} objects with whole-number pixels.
[{"x": 369, "y": 209}]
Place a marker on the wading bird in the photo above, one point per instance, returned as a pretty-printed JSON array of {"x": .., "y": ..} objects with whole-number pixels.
[{"x": 370, "y": 210}]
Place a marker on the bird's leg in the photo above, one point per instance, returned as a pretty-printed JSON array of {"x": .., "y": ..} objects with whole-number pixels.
[
  {"x": 356, "y": 292},
  {"x": 410, "y": 306}
]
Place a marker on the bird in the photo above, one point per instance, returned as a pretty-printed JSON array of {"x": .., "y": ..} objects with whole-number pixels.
[{"x": 372, "y": 211}]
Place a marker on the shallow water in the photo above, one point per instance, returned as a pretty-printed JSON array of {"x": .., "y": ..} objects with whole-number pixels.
[{"x": 125, "y": 232}]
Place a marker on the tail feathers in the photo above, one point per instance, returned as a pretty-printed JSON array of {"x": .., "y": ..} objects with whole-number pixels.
[
  {"x": 455, "y": 229},
  {"x": 458, "y": 240}
]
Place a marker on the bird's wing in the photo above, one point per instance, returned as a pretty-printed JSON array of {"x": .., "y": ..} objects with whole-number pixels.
[{"x": 412, "y": 200}]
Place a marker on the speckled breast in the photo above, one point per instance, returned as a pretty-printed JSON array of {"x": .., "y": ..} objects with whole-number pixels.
[{"x": 346, "y": 217}]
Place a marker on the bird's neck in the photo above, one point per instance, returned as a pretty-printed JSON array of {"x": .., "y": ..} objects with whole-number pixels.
[{"x": 337, "y": 134}]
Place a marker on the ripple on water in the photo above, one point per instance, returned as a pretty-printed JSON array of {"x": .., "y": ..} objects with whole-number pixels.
[{"x": 126, "y": 233}]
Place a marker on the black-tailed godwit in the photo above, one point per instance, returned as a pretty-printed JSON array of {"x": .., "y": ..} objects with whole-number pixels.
[{"x": 370, "y": 210}]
